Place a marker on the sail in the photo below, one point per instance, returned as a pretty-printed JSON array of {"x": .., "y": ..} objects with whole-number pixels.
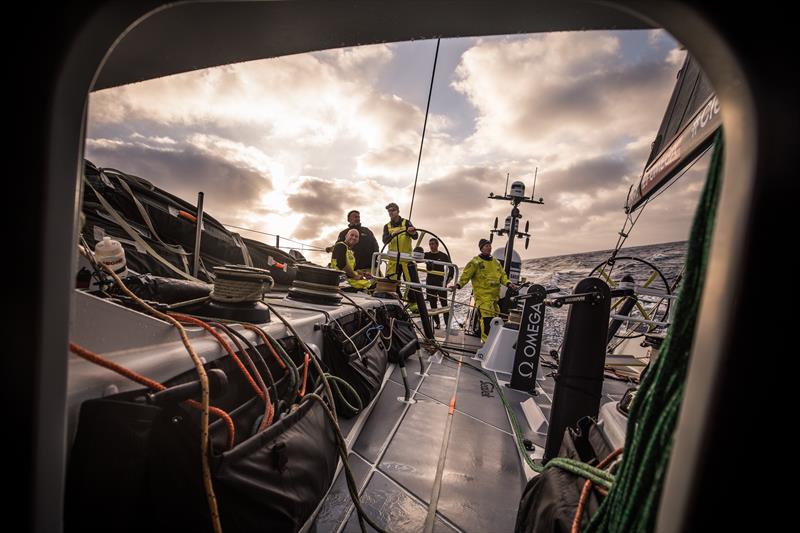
[{"x": 686, "y": 130}]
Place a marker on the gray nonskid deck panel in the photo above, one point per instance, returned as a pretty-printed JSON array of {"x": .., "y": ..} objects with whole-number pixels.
[
  {"x": 404, "y": 458},
  {"x": 399, "y": 445},
  {"x": 393, "y": 509}
]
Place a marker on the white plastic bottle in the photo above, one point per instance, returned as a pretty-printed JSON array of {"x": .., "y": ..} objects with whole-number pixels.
[{"x": 110, "y": 253}]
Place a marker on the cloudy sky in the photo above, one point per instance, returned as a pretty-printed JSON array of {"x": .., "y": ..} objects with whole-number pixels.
[{"x": 289, "y": 145}]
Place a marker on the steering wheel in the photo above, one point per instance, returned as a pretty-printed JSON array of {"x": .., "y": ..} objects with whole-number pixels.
[
  {"x": 422, "y": 232},
  {"x": 654, "y": 307}
]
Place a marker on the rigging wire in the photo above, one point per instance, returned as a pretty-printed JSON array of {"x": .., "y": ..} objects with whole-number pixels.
[
  {"x": 623, "y": 234},
  {"x": 424, "y": 127},
  {"x": 304, "y": 245}
]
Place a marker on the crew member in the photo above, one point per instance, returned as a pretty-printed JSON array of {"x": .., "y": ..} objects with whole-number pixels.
[
  {"x": 367, "y": 244},
  {"x": 436, "y": 277},
  {"x": 398, "y": 233},
  {"x": 486, "y": 274},
  {"x": 343, "y": 259}
]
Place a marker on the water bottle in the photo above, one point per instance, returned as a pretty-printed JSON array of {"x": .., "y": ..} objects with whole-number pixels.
[{"x": 110, "y": 253}]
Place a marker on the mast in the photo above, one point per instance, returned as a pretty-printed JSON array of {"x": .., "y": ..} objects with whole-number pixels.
[{"x": 516, "y": 197}]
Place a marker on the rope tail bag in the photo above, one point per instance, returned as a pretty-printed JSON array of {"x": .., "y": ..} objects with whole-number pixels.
[
  {"x": 397, "y": 330},
  {"x": 354, "y": 352},
  {"x": 135, "y": 464}
]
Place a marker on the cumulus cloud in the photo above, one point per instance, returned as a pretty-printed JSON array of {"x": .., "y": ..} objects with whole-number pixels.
[
  {"x": 323, "y": 204},
  {"x": 571, "y": 94},
  {"x": 281, "y": 96},
  {"x": 452, "y": 199},
  {"x": 391, "y": 162},
  {"x": 288, "y": 145},
  {"x": 313, "y": 227},
  {"x": 320, "y": 197},
  {"x": 360, "y": 60},
  {"x": 676, "y": 57},
  {"x": 229, "y": 188},
  {"x": 589, "y": 175}
]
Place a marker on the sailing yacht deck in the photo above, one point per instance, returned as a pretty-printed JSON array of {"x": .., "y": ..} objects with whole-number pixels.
[
  {"x": 449, "y": 456},
  {"x": 395, "y": 455}
]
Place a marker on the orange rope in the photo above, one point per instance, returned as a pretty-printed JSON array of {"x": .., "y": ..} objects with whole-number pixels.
[
  {"x": 305, "y": 377},
  {"x": 268, "y": 409},
  {"x": 92, "y": 357},
  {"x": 208, "y": 484},
  {"x": 197, "y": 322},
  {"x": 270, "y": 416},
  {"x": 267, "y": 343},
  {"x": 587, "y": 487},
  {"x": 453, "y": 398},
  {"x": 277, "y": 357}
]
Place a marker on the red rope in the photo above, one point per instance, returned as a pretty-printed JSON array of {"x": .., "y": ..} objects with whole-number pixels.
[
  {"x": 587, "y": 487},
  {"x": 268, "y": 344},
  {"x": 268, "y": 409}
]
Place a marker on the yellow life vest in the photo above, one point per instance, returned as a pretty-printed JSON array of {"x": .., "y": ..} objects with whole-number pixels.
[
  {"x": 351, "y": 260},
  {"x": 403, "y": 241}
]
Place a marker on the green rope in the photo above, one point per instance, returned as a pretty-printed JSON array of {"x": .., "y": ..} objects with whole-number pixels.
[
  {"x": 516, "y": 429},
  {"x": 294, "y": 373},
  {"x": 596, "y": 475},
  {"x": 632, "y": 502},
  {"x": 336, "y": 381}
]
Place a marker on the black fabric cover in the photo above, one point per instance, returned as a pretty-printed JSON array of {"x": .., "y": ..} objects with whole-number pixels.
[
  {"x": 365, "y": 371},
  {"x": 136, "y": 467},
  {"x": 97, "y": 224},
  {"x": 403, "y": 330},
  {"x": 164, "y": 290},
  {"x": 550, "y": 499},
  {"x": 402, "y": 333},
  {"x": 218, "y": 246}
]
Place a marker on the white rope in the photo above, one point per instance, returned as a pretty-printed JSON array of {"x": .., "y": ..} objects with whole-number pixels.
[
  {"x": 240, "y": 284},
  {"x": 350, "y": 339}
]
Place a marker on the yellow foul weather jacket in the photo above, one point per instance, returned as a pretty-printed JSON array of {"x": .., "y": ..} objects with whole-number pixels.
[
  {"x": 401, "y": 243},
  {"x": 351, "y": 260},
  {"x": 487, "y": 275}
]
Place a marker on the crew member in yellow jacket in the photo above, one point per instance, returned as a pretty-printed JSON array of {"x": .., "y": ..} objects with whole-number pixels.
[
  {"x": 486, "y": 274},
  {"x": 398, "y": 233},
  {"x": 342, "y": 258}
]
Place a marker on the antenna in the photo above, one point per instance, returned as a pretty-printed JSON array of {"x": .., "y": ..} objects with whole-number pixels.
[
  {"x": 535, "y": 173},
  {"x": 511, "y": 228}
]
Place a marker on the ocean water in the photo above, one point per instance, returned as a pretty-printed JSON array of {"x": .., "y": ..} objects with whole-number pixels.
[{"x": 565, "y": 271}]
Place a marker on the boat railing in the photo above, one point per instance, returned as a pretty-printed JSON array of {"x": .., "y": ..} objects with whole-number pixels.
[{"x": 378, "y": 258}]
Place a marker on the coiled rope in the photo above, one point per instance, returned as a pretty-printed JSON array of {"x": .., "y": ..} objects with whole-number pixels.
[{"x": 234, "y": 284}]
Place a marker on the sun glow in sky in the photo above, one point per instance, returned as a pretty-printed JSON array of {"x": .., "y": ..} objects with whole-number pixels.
[{"x": 289, "y": 145}]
